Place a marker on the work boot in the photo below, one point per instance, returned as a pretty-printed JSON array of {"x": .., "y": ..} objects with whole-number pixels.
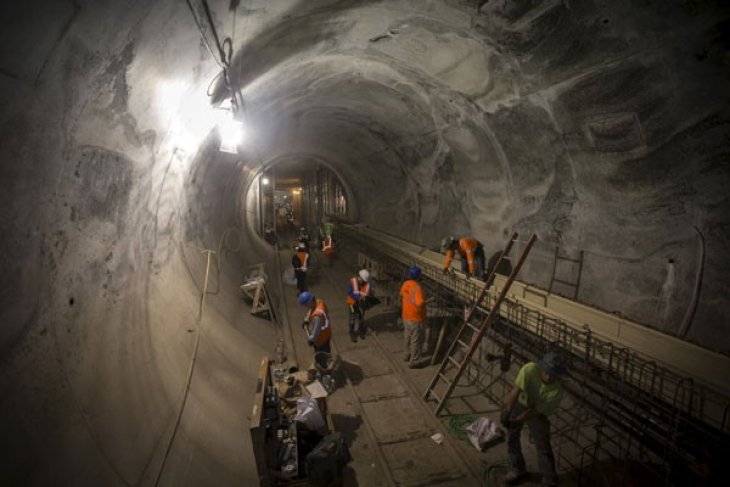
[
  {"x": 514, "y": 476},
  {"x": 353, "y": 338}
]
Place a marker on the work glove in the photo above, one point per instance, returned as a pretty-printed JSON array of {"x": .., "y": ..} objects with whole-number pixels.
[
  {"x": 468, "y": 274},
  {"x": 446, "y": 270},
  {"x": 305, "y": 325}
]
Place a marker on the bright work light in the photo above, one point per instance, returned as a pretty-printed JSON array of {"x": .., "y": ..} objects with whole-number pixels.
[{"x": 231, "y": 133}]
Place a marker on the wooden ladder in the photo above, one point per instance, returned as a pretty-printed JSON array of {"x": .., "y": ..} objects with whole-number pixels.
[
  {"x": 575, "y": 285},
  {"x": 469, "y": 346}
]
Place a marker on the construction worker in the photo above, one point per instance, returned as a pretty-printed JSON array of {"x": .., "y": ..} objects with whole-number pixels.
[
  {"x": 536, "y": 395},
  {"x": 358, "y": 290},
  {"x": 471, "y": 252},
  {"x": 329, "y": 227},
  {"x": 304, "y": 237},
  {"x": 299, "y": 262},
  {"x": 316, "y": 323},
  {"x": 328, "y": 247},
  {"x": 414, "y": 316}
]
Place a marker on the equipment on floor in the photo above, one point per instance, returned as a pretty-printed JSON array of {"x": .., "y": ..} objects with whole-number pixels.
[
  {"x": 291, "y": 430},
  {"x": 326, "y": 461},
  {"x": 254, "y": 288},
  {"x": 464, "y": 347}
]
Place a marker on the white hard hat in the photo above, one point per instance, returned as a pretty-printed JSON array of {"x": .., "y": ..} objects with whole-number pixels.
[
  {"x": 302, "y": 245},
  {"x": 364, "y": 275}
]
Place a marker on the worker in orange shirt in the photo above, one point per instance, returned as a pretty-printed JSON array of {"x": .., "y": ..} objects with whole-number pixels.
[
  {"x": 414, "y": 316},
  {"x": 471, "y": 252},
  {"x": 358, "y": 290},
  {"x": 316, "y": 323}
]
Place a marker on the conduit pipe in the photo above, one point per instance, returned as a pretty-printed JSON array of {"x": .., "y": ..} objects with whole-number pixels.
[{"x": 690, "y": 314}]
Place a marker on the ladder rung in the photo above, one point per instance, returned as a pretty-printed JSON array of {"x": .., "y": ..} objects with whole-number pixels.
[
  {"x": 565, "y": 282},
  {"x": 438, "y": 399},
  {"x": 560, "y": 257},
  {"x": 472, "y": 326},
  {"x": 454, "y": 361},
  {"x": 463, "y": 344},
  {"x": 444, "y": 378}
]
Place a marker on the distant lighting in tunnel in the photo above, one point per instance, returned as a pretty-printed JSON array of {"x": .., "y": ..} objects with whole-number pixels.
[
  {"x": 265, "y": 181},
  {"x": 296, "y": 191}
]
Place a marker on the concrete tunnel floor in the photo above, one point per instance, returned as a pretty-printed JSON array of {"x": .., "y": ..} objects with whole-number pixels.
[
  {"x": 601, "y": 126},
  {"x": 377, "y": 404}
]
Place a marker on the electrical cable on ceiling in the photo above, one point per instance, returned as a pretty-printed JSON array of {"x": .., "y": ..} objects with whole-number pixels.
[
  {"x": 202, "y": 33},
  {"x": 225, "y": 50}
]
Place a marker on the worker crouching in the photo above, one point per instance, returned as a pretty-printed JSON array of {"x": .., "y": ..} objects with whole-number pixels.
[
  {"x": 536, "y": 395},
  {"x": 358, "y": 290},
  {"x": 316, "y": 323},
  {"x": 471, "y": 252}
]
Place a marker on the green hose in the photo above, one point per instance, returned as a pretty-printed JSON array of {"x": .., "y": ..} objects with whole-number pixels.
[{"x": 458, "y": 422}]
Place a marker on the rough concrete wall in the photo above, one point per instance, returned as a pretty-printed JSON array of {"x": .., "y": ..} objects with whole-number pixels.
[
  {"x": 602, "y": 127},
  {"x": 105, "y": 208},
  {"x": 627, "y": 110}
]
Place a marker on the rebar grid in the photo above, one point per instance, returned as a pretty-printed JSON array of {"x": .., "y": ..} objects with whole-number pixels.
[{"x": 627, "y": 407}]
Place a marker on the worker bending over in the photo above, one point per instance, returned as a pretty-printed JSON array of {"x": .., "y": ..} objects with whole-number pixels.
[
  {"x": 358, "y": 290},
  {"x": 414, "y": 316},
  {"x": 299, "y": 262},
  {"x": 536, "y": 395},
  {"x": 471, "y": 252},
  {"x": 316, "y": 323}
]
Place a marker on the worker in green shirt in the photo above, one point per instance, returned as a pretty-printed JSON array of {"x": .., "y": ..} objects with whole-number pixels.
[{"x": 536, "y": 395}]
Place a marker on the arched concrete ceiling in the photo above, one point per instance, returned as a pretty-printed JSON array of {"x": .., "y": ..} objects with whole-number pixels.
[{"x": 600, "y": 126}]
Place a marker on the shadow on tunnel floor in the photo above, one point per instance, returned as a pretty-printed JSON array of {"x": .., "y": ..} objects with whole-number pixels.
[
  {"x": 382, "y": 321},
  {"x": 348, "y": 370}
]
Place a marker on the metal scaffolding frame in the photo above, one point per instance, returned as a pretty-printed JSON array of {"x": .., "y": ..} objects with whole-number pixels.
[{"x": 629, "y": 414}]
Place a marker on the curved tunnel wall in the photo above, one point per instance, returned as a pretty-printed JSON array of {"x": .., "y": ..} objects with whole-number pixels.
[{"x": 602, "y": 129}]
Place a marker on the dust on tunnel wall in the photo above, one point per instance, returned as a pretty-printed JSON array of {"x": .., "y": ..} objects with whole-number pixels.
[
  {"x": 111, "y": 186},
  {"x": 601, "y": 129}
]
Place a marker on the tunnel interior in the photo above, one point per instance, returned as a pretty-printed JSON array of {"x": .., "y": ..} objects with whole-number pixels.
[{"x": 602, "y": 127}]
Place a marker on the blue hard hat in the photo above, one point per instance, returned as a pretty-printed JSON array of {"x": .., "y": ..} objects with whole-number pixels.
[
  {"x": 414, "y": 272},
  {"x": 553, "y": 363},
  {"x": 305, "y": 298}
]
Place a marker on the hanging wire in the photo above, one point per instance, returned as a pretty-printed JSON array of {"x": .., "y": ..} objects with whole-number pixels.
[
  {"x": 225, "y": 49},
  {"x": 202, "y": 32}
]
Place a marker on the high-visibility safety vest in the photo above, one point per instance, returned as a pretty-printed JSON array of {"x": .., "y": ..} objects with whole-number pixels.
[
  {"x": 327, "y": 247},
  {"x": 357, "y": 289},
  {"x": 466, "y": 247},
  {"x": 303, "y": 258},
  {"x": 325, "y": 332}
]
